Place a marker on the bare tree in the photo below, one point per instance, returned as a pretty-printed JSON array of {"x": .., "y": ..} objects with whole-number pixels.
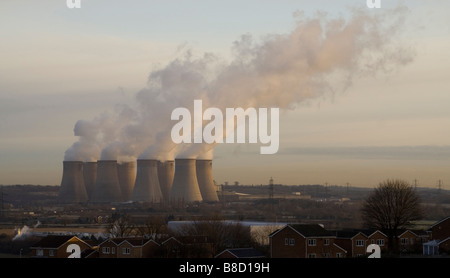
[
  {"x": 392, "y": 206},
  {"x": 121, "y": 226},
  {"x": 153, "y": 226},
  {"x": 222, "y": 234}
]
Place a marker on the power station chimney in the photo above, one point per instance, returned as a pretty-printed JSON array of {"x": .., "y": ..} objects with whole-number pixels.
[
  {"x": 107, "y": 187},
  {"x": 90, "y": 177},
  {"x": 146, "y": 187},
  {"x": 127, "y": 176},
  {"x": 185, "y": 186},
  {"x": 166, "y": 172},
  {"x": 205, "y": 180},
  {"x": 72, "y": 188}
]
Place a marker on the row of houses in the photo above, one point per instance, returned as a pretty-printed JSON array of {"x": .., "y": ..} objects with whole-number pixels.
[
  {"x": 314, "y": 241},
  {"x": 289, "y": 241}
]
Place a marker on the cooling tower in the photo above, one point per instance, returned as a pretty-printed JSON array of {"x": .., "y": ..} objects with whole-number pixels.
[
  {"x": 90, "y": 176},
  {"x": 147, "y": 188},
  {"x": 107, "y": 187},
  {"x": 127, "y": 177},
  {"x": 72, "y": 188},
  {"x": 205, "y": 180},
  {"x": 166, "y": 172},
  {"x": 185, "y": 186}
]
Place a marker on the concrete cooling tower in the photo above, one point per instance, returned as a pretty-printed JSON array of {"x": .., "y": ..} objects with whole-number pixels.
[
  {"x": 107, "y": 187},
  {"x": 205, "y": 180},
  {"x": 146, "y": 187},
  {"x": 72, "y": 188},
  {"x": 166, "y": 172},
  {"x": 127, "y": 176},
  {"x": 90, "y": 177},
  {"x": 185, "y": 186}
]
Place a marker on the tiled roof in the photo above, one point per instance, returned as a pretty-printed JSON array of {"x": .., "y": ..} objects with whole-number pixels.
[
  {"x": 52, "y": 241},
  {"x": 135, "y": 241},
  {"x": 348, "y": 233},
  {"x": 245, "y": 253},
  {"x": 309, "y": 230},
  {"x": 440, "y": 221}
]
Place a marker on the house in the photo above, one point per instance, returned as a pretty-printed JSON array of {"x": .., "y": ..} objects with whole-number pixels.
[
  {"x": 304, "y": 241},
  {"x": 440, "y": 238},
  {"x": 353, "y": 241},
  {"x": 441, "y": 229},
  {"x": 378, "y": 238},
  {"x": 240, "y": 253},
  {"x": 410, "y": 241},
  {"x": 59, "y": 246},
  {"x": 128, "y": 247}
]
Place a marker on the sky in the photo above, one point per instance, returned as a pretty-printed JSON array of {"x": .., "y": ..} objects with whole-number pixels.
[{"x": 357, "y": 105}]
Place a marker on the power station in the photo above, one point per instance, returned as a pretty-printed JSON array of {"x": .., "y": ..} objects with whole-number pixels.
[
  {"x": 147, "y": 188},
  {"x": 126, "y": 172},
  {"x": 205, "y": 180},
  {"x": 176, "y": 181},
  {"x": 185, "y": 186},
  {"x": 90, "y": 176},
  {"x": 107, "y": 186},
  {"x": 166, "y": 173},
  {"x": 73, "y": 188}
]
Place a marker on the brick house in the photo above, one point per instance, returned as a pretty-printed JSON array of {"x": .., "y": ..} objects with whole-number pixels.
[
  {"x": 128, "y": 247},
  {"x": 378, "y": 238},
  {"x": 304, "y": 241},
  {"x": 439, "y": 243},
  {"x": 441, "y": 229},
  {"x": 353, "y": 241},
  {"x": 410, "y": 241},
  {"x": 56, "y": 246}
]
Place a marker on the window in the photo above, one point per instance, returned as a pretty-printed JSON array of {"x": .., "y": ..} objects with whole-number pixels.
[
  {"x": 380, "y": 242},
  {"x": 113, "y": 250},
  {"x": 39, "y": 252},
  {"x": 326, "y": 255},
  {"x": 105, "y": 250},
  {"x": 311, "y": 255},
  {"x": 359, "y": 242},
  {"x": 404, "y": 241},
  {"x": 312, "y": 242},
  {"x": 51, "y": 253},
  {"x": 339, "y": 255},
  {"x": 326, "y": 241},
  {"x": 126, "y": 251},
  {"x": 289, "y": 241}
]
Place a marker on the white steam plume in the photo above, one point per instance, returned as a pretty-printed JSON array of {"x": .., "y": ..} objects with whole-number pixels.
[{"x": 320, "y": 56}]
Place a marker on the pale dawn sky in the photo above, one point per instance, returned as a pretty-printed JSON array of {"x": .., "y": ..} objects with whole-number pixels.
[{"x": 372, "y": 103}]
